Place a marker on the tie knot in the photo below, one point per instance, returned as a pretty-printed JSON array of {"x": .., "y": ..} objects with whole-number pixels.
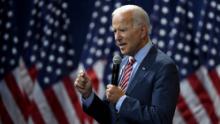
[{"x": 131, "y": 60}]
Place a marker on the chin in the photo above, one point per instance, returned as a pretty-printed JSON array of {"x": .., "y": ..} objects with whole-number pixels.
[{"x": 125, "y": 53}]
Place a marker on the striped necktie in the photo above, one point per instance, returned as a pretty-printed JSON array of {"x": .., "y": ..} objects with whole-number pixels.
[{"x": 127, "y": 73}]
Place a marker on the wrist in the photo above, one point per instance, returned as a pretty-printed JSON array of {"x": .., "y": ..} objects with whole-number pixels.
[{"x": 87, "y": 94}]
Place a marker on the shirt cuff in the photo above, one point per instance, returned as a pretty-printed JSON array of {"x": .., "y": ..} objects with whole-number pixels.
[
  {"x": 119, "y": 102},
  {"x": 88, "y": 101}
]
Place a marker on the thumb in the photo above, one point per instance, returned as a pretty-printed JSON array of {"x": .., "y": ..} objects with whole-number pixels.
[{"x": 84, "y": 75}]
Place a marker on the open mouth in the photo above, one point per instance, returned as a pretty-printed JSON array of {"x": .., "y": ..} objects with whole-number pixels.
[{"x": 122, "y": 45}]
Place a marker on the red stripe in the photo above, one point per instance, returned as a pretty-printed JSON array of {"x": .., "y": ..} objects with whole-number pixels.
[
  {"x": 95, "y": 81},
  {"x": 35, "y": 114},
  {"x": 20, "y": 98},
  {"x": 215, "y": 80},
  {"x": 185, "y": 111},
  {"x": 33, "y": 73},
  {"x": 203, "y": 97},
  {"x": 74, "y": 99},
  {"x": 55, "y": 106},
  {"x": 4, "y": 116}
]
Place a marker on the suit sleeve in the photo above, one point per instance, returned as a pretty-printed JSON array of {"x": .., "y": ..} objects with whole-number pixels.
[
  {"x": 99, "y": 110},
  {"x": 164, "y": 98}
]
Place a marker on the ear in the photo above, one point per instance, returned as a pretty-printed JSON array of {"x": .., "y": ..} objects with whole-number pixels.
[{"x": 143, "y": 31}]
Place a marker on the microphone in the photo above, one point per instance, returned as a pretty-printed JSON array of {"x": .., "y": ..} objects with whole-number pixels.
[{"x": 115, "y": 69}]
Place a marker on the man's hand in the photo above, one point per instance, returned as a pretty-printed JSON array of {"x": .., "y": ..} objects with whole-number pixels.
[
  {"x": 113, "y": 93},
  {"x": 83, "y": 85}
]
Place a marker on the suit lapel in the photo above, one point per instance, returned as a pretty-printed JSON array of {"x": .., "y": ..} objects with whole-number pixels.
[{"x": 143, "y": 69}]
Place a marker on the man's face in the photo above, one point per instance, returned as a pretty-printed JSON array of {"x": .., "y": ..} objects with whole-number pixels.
[{"x": 128, "y": 37}]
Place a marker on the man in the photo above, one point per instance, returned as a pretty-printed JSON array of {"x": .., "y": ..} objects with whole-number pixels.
[{"x": 148, "y": 87}]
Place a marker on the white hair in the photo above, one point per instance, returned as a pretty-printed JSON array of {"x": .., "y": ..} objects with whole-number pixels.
[{"x": 140, "y": 16}]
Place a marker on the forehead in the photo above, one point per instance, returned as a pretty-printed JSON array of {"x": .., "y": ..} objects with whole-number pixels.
[{"x": 124, "y": 18}]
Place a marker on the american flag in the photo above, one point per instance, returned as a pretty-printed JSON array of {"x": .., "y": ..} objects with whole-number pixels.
[
  {"x": 177, "y": 32},
  {"x": 9, "y": 50},
  {"x": 193, "y": 45},
  {"x": 36, "y": 75}
]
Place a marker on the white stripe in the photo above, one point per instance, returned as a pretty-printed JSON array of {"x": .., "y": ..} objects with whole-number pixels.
[
  {"x": 23, "y": 79},
  {"x": 65, "y": 102},
  {"x": 202, "y": 74},
  {"x": 218, "y": 70},
  {"x": 99, "y": 67},
  {"x": 25, "y": 82},
  {"x": 178, "y": 118},
  {"x": 99, "y": 70},
  {"x": 30, "y": 121},
  {"x": 10, "y": 105},
  {"x": 43, "y": 107},
  {"x": 193, "y": 103}
]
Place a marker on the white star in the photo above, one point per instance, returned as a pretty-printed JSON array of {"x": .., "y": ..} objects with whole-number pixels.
[
  {"x": 51, "y": 58},
  {"x": 102, "y": 30},
  {"x": 91, "y": 25},
  {"x": 92, "y": 50},
  {"x": 14, "y": 51},
  {"x": 49, "y": 69},
  {"x": 97, "y": 3},
  {"x": 105, "y": 8},
  {"x": 59, "y": 60},
  {"x": 177, "y": 57},
  {"x": 58, "y": 71},
  {"x": 165, "y": 10},
  {"x": 163, "y": 21},
  {"x": 98, "y": 53},
  {"x": 61, "y": 49},
  {"x": 33, "y": 58},
  {"x": 89, "y": 61},
  {"x": 104, "y": 19},
  {"x": 46, "y": 80},
  {"x": 100, "y": 42},
  {"x": 94, "y": 14}
]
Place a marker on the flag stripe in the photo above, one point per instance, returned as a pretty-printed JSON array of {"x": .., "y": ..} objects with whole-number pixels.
[
  {"x": 42, "y": 105},
  {"x": 24, "y": 81},
  {"x": 203, "y": 97},
  {"x": 193, "y": 102},
  {"x": 203, "y": 76},
  {"x": 36, "y": 115},
  {"x": 33, "y": 73},
  {"x": 62, "y": 95},
  {"x": 4, "y": 116},
  {"x": 20, "y": 99},
  {"x": 215, "y": 79},
  {"x": 178, "y": 119},
  {"x": 99, "y": 69},
  {"x": 55, "y": 105},
  {"x": 185, "y": 111},
  {"x": 95, "y": 81},
  {"x": 10, "y": 104},
  {"x": 74, "y": 99}
]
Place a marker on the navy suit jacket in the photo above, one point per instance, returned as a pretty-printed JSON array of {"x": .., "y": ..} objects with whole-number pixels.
[{"x": 151, "y": 95}]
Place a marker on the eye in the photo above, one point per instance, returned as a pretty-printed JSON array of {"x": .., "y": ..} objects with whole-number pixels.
[
  {"x": 114, "y": 30},
  {"x": 122, "y": 29}
]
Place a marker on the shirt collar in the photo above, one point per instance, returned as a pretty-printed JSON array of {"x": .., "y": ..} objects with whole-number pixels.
[{"x": 139, "y": 56}]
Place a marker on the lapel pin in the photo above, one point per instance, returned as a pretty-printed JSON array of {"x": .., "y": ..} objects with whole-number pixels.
[{"x": 143, "y": 68}]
